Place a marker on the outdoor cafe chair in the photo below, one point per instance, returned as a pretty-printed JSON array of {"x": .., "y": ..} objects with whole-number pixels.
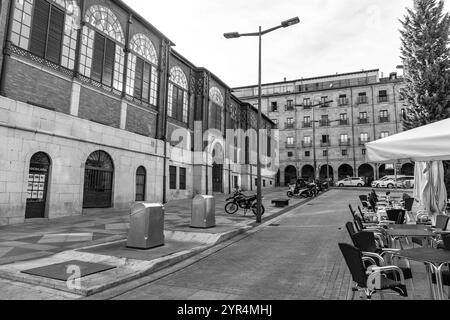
[
  {"x": 396, "y": 215},
  {"x": 378, "y": 231},
  {"x": 444, "y": 243},
  {"x": 365, "y": 241},
  {"x": 350, "y": 229},
  {"x": 372, "y": 279}
]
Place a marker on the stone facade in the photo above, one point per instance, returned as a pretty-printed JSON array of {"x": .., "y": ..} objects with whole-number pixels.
[
  {"x": 62, "y": 112},
  {"x": 351, "y": 96}
]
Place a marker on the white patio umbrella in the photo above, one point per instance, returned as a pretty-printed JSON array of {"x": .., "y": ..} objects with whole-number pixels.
[{"x": 427, "y": 146}]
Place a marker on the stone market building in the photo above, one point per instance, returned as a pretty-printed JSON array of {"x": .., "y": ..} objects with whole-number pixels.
[
  {"x": 326, "y": 121},
  {"x": 98, "y": 111}
]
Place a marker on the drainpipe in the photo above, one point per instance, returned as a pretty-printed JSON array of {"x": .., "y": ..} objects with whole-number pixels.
[
  {"x": 6, "y": 49},
  {"x": 164, "y": 125},
  {"x": 374, "y": 129},
  {"x": 127, "y": 53},
  {"x": 76, "y": 71},
  {"x": 355, "y": 170}
]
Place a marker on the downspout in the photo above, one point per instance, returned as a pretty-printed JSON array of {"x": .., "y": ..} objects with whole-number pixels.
[
  {"x": 76, "y": 71},
  {"x": 395, "y": 109},
  {"x": 374, "y": 130},
  {"x": 127, "y": 53},
  {"x": 6, "y": 49},
  {"x": 355, "y": 171},
  {"x": 164, "y": 125}
]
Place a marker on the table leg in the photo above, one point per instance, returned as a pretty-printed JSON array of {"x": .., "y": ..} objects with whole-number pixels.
[
  {"x": 430, "y": 281},
  {"x": 440, "y": 282}
]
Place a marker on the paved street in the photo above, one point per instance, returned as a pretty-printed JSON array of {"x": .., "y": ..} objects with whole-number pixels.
[{"x": 297, "y": 259}]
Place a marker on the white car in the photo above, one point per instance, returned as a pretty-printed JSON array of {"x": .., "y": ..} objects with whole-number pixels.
[
  {"x": 377, "y": 183},
  {"x": 392, "y": 182},
  {"x": 351, "y": 182},
  {"x": 406, "y": 182}
]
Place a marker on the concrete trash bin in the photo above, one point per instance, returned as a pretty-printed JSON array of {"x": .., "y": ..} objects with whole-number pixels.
[
  {"x": 203, "y": 212},
  {"x": 146, "y": 226}
]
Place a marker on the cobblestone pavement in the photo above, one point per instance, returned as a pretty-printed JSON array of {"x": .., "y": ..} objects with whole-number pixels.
[
  {"x": 37, "y": 239},
  {"x": 295, "y": 259}
]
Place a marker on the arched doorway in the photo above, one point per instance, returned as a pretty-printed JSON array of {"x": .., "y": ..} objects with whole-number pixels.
[
  {"x": 38, "y": 177},
  {"x": 98, "y": 181},
  {"x": 290, "y": 175},
  {"x": 323, "y": 172},
  {"x": 408, "y": 169},
  {"x": 141, "y": 179},
  {"x": 345, "y": 171},
  {"x": 308, "y": 172},
  {"x": 384, "y": 172},
  {"x": 366, "y": 172}
]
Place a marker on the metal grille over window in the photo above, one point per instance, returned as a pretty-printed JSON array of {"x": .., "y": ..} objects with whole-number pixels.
[{"x": 216, "y": 108}]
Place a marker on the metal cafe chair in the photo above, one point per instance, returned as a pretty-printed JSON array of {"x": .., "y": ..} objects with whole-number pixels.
[
  {"x": 365, "y": 241},
  {"x": 371, "y": 279},
  {"x": 444, "y": 243}
]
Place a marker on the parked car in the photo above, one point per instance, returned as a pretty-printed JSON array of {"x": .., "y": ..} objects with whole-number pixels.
[
  {"x": 351, "y": 182},
  {"x": 406, "y": 182},
  {"x": 377, "y": 183}
]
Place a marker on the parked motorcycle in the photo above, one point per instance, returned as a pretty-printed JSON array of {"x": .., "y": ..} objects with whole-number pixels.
[
  {"x": 295, "y": 192},
  {"x": 241, "y": 201}
]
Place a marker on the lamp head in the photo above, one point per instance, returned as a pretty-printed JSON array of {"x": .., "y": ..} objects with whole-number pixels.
[
  {"x": 290, "y": 22},
  {"x": 231, "y": 35}
]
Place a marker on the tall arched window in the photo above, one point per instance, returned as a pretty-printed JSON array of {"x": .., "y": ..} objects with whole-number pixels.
[
  {"x": 178, "y": 104},
  {"x": 141, "y": 175},
  {"x": 102, "y": 55},
  {"x": 47, "y": 28},
  {"x": 216, "y": 108},
  {"x": 142, "y": 74}
]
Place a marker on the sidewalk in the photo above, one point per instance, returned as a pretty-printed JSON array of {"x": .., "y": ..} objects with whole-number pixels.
[{"x": 100, "y": 238}]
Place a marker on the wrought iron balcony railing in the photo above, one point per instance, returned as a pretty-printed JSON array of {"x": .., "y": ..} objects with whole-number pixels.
[
  {"x": 307, "y": 125},
  {"x": 344, "y": 143},
  {"x": 363, "y": 120},
  {"x": 384, "y": 119},
  {"x": 362, "y": 100},
  {"x": 306, "y": 144}
]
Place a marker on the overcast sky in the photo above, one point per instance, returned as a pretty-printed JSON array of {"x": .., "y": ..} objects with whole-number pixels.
[{"x": 333, "y": 36}]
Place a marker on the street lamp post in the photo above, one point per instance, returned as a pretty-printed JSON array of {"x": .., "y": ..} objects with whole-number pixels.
[{"x": 259, "y": 34}]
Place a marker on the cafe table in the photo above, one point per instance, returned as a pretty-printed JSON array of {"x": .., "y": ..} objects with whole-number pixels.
[
  {"x": 435, "y": 260},
  {"x": 395, "y": 232}
]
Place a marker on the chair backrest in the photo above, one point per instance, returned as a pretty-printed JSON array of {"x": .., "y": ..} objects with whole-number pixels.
[
  {"x": 353, "y": 212},
  {"x": 442, "y": 221},
  {"x": 361, "y": 213},
  {"x": 409, "y": 203},
  {"x": 359, "y": 224},
  {"x": 351, "y": 229},
  {"x": 374, "y": 194},
  {"x": 363, "y": 198},
  {"x": 365, "y": 241},
  {"x": 396, "y": 215},
  {"x": 353, "y": 259},
  {"x": 446, "y": 238}
]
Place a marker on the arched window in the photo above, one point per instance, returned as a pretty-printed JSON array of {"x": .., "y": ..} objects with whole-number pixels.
[
  {"x": 216, "y": 108},
  {"x": 178, "y": 105},
  {"x": 47, "y": 28},
  {"x": 102, "y": 55},
  {"x": 142, "y": 75},
  {"x": 98, "y": 180},
  {"x": 141, "y": 177}
]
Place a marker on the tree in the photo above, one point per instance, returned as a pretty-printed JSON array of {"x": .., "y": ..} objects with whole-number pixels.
[{"x": 426, "y": 60}]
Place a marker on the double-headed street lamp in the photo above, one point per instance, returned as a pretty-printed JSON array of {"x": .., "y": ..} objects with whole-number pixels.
[{"x": 260, "y": 33}]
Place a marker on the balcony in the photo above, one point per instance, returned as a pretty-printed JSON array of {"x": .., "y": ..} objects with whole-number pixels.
[
  {"x": 363, "y": 120},
  {"x": 384, "y": 119},
  {"x": 362, "y": 100},
  {"x": 307, "y": 125},
  {"x": 290, "y": 145},
  {"x": 307, "y": 144},
  {"x": 343, "y": 122},
  {"x": 344, "y": 143},
  {"x": 290, "y": 125},
  {"x": 289, "y": 108},
  {"x": 325, "y": 105},
  {"x": 343, "y": 101},
  {"x": 363, "y": 142},
  {"x": 325, "y": 144},
  {"x": 383, "y": 99},
  {"x": 324, "y": 123}
]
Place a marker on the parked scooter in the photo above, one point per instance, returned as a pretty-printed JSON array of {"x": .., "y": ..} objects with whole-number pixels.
[
  {"x": 296, "y": 192},
  {"x": 241, "y": 201}
]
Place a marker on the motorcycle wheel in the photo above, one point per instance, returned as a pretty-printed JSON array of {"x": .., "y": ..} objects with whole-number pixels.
[
  {"x": 231, "y": 208},
  {"x": 290, "y": 194},
  {"x": 254, "y": 209}
]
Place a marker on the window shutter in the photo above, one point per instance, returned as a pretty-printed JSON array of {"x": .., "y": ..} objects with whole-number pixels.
[
  {"x": 55, "y": 35},
  {"x": 108, "y": 67},
  {"x": 175, "y": 102},
  {"x": 39, "y": 27},
  {"x": 180, "y": 105},
  {"x": 138, "y": 78},
  {"x": 146, "y": 82},
  {"x": 97, "y": 61}
]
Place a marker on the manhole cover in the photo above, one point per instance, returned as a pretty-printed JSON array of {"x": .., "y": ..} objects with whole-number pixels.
[{"x": 62, "y": 271}]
